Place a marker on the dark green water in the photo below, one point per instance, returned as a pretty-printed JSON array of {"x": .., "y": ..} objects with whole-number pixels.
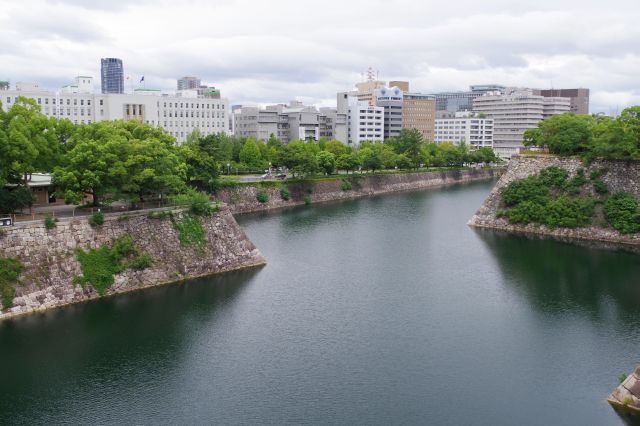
[{"x": 386, "y": 310}]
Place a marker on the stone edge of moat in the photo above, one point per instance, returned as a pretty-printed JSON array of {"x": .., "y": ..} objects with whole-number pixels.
[
  {"x": 243, "y": 199},
  {"x": 621, "y": 176},
  {"x": 50, "y": 263}
]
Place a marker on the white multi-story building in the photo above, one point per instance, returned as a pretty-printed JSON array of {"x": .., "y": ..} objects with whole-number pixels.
[
  {"x": 513, "y": 113},
  {"x": 179, "y": 114},
  {"x": 365, "y": 122},
  {"x": 465, "y": 127}
]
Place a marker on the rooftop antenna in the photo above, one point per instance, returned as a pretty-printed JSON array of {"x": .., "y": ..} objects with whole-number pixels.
[{"x": 370, "y": 74}]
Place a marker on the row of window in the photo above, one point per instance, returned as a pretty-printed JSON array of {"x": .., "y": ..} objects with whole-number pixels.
[
  {"x": 197, "y": 105},
  {"x": 53, "y": 101},
  {"x": 219, "y": 114}
]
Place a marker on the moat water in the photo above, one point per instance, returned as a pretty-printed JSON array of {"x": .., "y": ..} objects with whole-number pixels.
[{"x": 380, "y": 311}]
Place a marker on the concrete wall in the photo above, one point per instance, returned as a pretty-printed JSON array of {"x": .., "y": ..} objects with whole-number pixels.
[
  {"x": 622, "y": 176},
  {"x": 50, "y": 262},
  {"x": 243, "y": 198}
]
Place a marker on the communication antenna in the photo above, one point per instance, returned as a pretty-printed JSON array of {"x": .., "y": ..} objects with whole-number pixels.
[{"x": 370, "y": 74}]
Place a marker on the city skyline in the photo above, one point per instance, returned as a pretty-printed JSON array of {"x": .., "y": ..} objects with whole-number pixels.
[{"x": 263, "y": 61}]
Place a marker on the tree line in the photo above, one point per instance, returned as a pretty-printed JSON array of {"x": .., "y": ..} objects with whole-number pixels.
[
  {"x": 130, "y": 160},
  {"x": 589, "y": 136}
]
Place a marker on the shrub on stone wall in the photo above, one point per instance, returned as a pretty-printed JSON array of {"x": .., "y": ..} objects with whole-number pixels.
[
  {"x": 50, "y": 222},
  {"x": 96, "y": 219},
  {"x": 99, "y": 265},
  {"x": 262, "y": 196},
  {"x": 285, "y": 194},
  {"x": 10, "y": 270},
  {"x": 549, "y": 198},
  {"x": 621, "y": 211}
]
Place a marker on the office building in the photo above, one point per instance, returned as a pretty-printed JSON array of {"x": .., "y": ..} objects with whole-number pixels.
[
  {"x": 179, "y": 114},
  {"x": 419, "y": 112},
  {"x": 391, "y": 100},
  {"x": 466, "y": 127},
  {"x": 514, "y": 112},
  {"x": 112, "y": 74},
  {"x": 579, "y": 98}
]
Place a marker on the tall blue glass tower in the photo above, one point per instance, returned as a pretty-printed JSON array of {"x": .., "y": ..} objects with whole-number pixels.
[{"x": 112, "y": 75}]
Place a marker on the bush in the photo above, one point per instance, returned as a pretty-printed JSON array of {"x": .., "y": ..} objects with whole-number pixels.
[
  {"x": 284, "y": 194},
  {"x": 621, "y": 211},
  {"x": 262, "y": 196},
  {"x": 346, "y": 185},
  {"x": 198, "y": 202},
  {"x": 528, "y": 189},
  {"x": 96, "y": 219},
  {"x": 142, "y": 261},
  {"x": 99, "y": 265},
  {"x": 531, "y": 200},
  {"x": 569, "y": 212},
  {"x": 307, "y": 200},
  {"x": 600, "y": 187},
  {"x": 10, "y": 270},
  {"x": 50, "y": 222}
]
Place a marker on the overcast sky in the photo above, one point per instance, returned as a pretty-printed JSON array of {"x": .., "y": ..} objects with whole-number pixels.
[{"x": 260, "y": 52}]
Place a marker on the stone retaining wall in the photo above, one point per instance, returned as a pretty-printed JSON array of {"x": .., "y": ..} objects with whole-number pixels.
[
  {"x": 621, "y": 176},
  {"x": 242, "y": 199},
  {"x": 50, "y": 262}
]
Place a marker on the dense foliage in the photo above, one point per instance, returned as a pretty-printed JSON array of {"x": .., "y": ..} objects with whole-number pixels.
[
  {"x": 10, "y": 270},
  {"x": 99, "y": 265},
  {"x": 601, "y": 137},
  {"x": 549, "y": 198},
  {"x": 621, "y": 211}
]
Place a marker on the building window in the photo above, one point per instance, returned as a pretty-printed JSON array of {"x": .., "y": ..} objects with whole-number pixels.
[{"x": 101, "y": 102}]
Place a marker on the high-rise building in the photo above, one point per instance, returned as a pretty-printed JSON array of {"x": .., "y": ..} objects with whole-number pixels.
[
  {"x": 188, "y": 83},
  {"x": 465, "y": 127},
  {"x": 112, "y": 74},
  {"x": 579, "y": 98},
  {"x": 514, "y": 112},
  {"x": 463, "y": 100},
  {"x": 419, "y": 112},
  {"x": 391, "y": 100}
]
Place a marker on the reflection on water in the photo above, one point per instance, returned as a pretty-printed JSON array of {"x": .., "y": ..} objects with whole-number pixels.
[
  {"x": 152, "y": 327},
  {"x": 557, "y": 276}
]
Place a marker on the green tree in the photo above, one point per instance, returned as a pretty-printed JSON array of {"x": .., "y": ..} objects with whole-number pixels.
[
  {"x": 201, "y": 168},
  {"x": 337, "y": 148},
  {"x": 326, "y": 162},
  {"x": 28, "y": 142},
  {"x": 250, "y": 154},
  {"x": 348, "y": 162},
  {"x": 369, "y": 159},
  {"x": 563, "y": 134}
]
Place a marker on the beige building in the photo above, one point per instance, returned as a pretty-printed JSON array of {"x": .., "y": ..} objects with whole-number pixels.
[
  {"x": 402, "y": 85},
  {"x": 419, "y": 112},
  {"x": 365, "y": 91}
]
